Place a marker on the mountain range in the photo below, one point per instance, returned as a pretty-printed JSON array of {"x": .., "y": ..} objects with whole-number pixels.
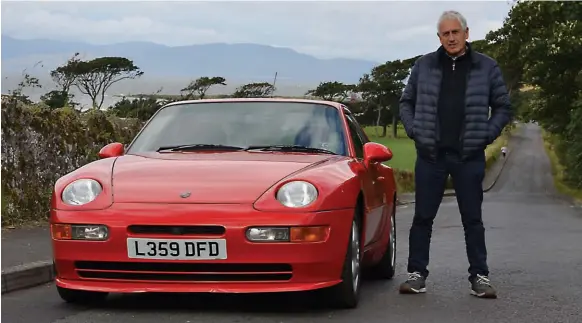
[
  {"x": 239, "y": 62},
  {"x": 172, "y": 68}
]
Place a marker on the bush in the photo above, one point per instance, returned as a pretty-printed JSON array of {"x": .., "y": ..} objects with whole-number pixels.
[
  {"x": 565, "y": 179},
  {"x": 39, "y": 145}
]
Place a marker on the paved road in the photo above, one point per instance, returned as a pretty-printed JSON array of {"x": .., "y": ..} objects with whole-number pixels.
[
  {"x": 535, "y": 259},
  {"x": 21, "y": 246}
]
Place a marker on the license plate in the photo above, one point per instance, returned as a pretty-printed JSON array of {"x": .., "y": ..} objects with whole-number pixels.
[{"x": 176, "y": 249}]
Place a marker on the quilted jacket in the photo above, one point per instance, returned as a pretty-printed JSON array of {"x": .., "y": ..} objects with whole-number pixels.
[{"x": 485, "y": 88}]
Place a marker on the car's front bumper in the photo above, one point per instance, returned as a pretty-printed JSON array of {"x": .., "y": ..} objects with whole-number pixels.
[{"x": 249, "y": 266}]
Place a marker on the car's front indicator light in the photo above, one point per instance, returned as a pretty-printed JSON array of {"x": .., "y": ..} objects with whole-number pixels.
[
  {"x": 93, "y": 232},
  {"x": 288, "y": 234},
  {"x": 309, "y": 234}
]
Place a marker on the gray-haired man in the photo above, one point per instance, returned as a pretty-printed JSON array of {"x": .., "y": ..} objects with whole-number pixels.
[{"x": 445, "y": 110}]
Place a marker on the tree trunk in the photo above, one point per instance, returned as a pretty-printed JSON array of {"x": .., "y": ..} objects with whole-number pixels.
[
  {"x": 378, "y": 121},
  {"x": 394, "y": 126}
]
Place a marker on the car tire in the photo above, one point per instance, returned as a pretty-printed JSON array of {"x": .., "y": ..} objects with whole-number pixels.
[
  {"x": 386, "y": 267},
  {"x": 347, "y": 293},
  {"x": 81, "y": 296}
]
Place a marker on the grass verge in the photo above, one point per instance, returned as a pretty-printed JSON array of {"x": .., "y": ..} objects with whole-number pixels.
[
  {"x": 402, "y": 147},
  {"x": 558, "y": 169},
  {"x": 493, "y": 151}
]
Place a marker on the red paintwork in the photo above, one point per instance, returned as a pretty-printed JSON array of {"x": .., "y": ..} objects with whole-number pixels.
[
  {"x": 112, "y": 150},
  {"x": 235, "y": 190},
  {"x": 313, "y": 264},
  {"x": 378, "y": 151}
]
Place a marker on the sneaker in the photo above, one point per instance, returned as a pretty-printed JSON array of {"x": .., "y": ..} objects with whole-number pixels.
[
  {"x": 481, "y": 287},
  {"x": 414, "y": 284}
]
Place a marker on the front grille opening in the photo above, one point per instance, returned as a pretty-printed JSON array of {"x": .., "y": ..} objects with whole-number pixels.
[
  {"x": 177, "y": 229},
  {"x": 183, "y": 272},
  {"x": 186, "y": 277}
]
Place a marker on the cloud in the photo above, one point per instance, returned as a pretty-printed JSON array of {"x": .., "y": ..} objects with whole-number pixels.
[{"x": 379, "y": 30}]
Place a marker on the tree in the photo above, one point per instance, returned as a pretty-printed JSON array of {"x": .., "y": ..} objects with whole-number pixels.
[
  {"x": 96, "y": 76},
  {"x": 383, "y": 88},
  {"x": 201, "y": 85},
  {"x": 541, "y": 43},
  {"x": 64, "y": 77},
  {"x": 332, "y": 91},
  {"x": 254, "y": 90},
  {"x": 142, "y": 106}
]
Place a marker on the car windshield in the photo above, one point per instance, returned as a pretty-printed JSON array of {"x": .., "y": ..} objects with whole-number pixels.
[{"x": 244, "y": 124}]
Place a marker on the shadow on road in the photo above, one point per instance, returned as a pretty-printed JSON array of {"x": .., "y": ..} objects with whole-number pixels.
[{"x": 312, "y": 302}]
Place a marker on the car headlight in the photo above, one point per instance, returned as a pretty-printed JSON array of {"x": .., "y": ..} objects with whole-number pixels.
[
  {"x": 297, "y": 194},
  {"x": 81, "y": 191}
]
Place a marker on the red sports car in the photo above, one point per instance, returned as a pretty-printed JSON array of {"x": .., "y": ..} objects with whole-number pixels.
[{"x": 229, "y": 196}]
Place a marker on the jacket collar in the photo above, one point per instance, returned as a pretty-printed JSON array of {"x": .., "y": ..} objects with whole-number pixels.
[{"x": 470, "y": 51}]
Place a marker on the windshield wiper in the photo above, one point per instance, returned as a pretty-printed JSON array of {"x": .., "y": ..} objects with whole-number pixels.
[
  {"x": 290, "y": 148},
  {"x": 198, "y": 147}
]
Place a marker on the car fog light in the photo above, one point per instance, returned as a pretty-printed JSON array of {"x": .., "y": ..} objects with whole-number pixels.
[
  {"x": 79, "y": 232},
  {"x": 268, "y": 234},
  {"x": 289, "y": 234}
]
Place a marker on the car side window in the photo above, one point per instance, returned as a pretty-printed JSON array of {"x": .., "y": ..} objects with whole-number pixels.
[
  {"x": 356, "y": 138},
  {"x": 360, "y": 131}
]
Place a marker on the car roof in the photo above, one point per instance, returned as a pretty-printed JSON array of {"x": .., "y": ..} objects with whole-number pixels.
[{"x": 224, "y": 100}]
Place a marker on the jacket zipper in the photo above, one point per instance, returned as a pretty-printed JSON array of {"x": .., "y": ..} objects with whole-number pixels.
[
  {"x": 438, "y": 122},
  {"x": 463, "y": 125}
]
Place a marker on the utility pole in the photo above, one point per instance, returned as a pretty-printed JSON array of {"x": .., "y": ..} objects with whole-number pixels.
[{"x": 274, "y": 82}]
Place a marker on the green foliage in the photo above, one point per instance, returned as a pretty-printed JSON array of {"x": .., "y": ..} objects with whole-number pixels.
[
  {"x": 57, "y": 99},
  {"x": 332, "y": 91},
  {"x": 199, "y": 87},
  {"x": 542, "y": 45},
  {"x": 64, "y": 77},
  {"x": 254, "y": 90},
  {"x": 382, "y": 88},
  {"x": 96, "y": 76},
  {"x": 139, "y": 108},
  {"x": 570, "y": 147},
  {"x": 40, "y": 144},
  {"x": 564, "y": 183}
]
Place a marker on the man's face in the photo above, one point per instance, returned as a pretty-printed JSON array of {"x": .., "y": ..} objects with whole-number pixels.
[{"x": 452, "y": 36}]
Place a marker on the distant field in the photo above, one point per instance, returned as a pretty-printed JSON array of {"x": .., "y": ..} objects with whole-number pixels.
[{"x": 402, "y": 147}]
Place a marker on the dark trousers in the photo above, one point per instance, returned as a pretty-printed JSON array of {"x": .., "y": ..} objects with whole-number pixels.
[{"x": 430, "y": 179}]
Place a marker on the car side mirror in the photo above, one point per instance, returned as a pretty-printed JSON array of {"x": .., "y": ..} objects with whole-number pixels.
[
  {"x": 375, "y": 152},
  {"x": 112, "y": 150}
]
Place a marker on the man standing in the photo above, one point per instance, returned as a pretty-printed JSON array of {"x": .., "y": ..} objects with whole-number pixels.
[{"x": 445, "y": 110}]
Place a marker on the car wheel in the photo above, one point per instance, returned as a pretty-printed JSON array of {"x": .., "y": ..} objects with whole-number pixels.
[
  {"x": 347, "y": 293},
  {"x": 81, "y": 296},
  {"x": 386, "y": 267}
]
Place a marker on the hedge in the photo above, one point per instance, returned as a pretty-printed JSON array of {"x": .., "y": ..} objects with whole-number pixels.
[{"x": 39, "y": 145}]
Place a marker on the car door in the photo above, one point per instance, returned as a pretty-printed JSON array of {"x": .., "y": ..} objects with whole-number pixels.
[{"x": 373, "y": 193}]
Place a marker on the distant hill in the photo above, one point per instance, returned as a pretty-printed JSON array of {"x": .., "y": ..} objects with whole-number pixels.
[{"x": 239, "y": 63}]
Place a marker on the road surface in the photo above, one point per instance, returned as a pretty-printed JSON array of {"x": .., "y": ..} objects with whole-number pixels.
[{"x": 535, "y": 257}]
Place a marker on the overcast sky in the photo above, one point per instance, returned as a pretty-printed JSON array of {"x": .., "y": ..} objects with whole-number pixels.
[{"x": 376, "y": 30}]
